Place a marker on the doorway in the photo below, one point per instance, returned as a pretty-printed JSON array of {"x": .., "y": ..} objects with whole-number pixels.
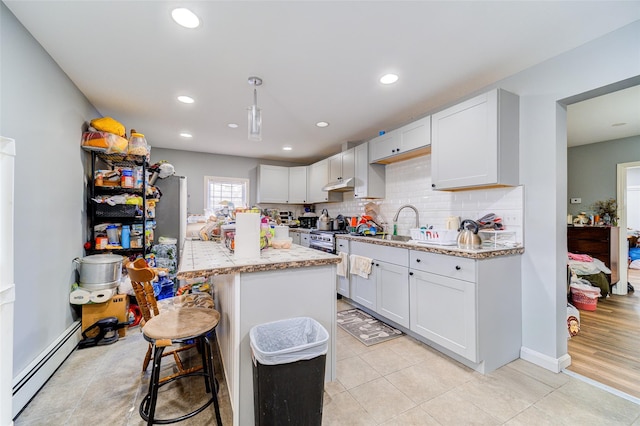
[{"x": 605, "y": 348}]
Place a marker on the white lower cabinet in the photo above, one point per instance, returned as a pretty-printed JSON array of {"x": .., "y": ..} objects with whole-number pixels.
[
  {"x": 443, "y": 310},
  {"x": 364, "y": 290},
  {"x": 295, "y": 236},
  {"x": 469, "y": 307},
  {"x": 304, "y": 239},
  {"x": 386, "y": 290},
  {"x": 343, "y": 283},
  {"x": 392, "y": 292}
]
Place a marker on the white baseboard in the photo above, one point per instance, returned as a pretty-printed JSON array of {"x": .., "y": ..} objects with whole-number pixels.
[
  {"x": 552, "y": 364},
  {"x": 29, "y": 381}
]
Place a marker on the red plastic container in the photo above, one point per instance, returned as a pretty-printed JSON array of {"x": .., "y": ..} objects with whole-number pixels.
[{"x": 582, "y": 301}]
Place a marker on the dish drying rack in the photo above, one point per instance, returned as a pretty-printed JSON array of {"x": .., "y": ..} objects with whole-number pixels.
[{"x": 441, "y": 237}]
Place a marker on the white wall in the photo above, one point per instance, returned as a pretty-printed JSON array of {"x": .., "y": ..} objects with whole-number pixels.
[
  {"x": 44, "y": 112},
  {"x": 543, "y": 172}
]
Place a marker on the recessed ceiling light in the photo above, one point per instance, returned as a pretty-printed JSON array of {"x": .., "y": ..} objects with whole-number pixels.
[
  {"x": 286, "y": 148},
  {"x": 322, "y": 124},
  {"x": 233, "y": 125},
  {"x": 186, "y": 99},
  {"x": 618, "y": 124},
  {"x": 388, "y": 79},
  {"x": 186, "y": 135},
  {"x": 185, "y": 17}
]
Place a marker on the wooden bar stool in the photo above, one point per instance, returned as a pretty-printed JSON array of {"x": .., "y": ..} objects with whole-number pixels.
[
  {"x": 184, "y": 327},
  {"x": 177, "y": 327}
]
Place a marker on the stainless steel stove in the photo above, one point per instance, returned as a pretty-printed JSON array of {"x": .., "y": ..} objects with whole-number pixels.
[{"x": 324, "y": 240}]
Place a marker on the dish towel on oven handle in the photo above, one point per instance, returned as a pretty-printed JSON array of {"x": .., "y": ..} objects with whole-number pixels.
[
  {"x": 360, "y": 265},
  {"x": 341, "y": 268}
]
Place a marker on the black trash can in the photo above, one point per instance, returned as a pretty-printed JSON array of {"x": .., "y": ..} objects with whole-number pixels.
[{"x": 289, "y": 358}]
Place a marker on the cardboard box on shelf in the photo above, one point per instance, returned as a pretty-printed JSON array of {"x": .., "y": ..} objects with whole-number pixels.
[{"x": 117, "y": 306}]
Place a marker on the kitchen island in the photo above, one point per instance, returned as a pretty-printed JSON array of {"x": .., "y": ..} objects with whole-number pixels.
[{"x": 280, "y": 284}]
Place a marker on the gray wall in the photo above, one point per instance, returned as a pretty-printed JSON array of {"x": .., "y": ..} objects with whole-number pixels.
[
  {"x": 44, "y": 112},
  {"x": 196, "y": 165},
  {"x": 592, "y": 170}
]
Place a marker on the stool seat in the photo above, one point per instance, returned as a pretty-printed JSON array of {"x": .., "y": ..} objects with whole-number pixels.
[{"x": 185, "y": 323}]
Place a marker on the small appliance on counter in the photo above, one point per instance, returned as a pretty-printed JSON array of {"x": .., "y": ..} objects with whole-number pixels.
[{"x": 308, "y": 222}]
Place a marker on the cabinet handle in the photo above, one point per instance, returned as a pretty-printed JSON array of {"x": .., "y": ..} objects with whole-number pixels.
[
  {"x": 418, "y": 260},
  {"x": 340, "y": 245},
  {"x": 410, "y": 273},
  {"x": 371, "y": 263},
  {"x": 458, "y": 267},
  {"x": 377, "y": 264},
  {"x": 393, "y": 150},
  {"x": 397, "y": 149}
]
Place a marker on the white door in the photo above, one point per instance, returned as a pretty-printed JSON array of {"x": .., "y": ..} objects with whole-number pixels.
[
  {"x": 443, "y": 310},
  {"x": 364, "y": 289},
  {"x": 297, "y": 185},
  {"x": 393, "y": 292},
  {"x": 464, "y": 144},
  {"x": 7, "y": 287}
]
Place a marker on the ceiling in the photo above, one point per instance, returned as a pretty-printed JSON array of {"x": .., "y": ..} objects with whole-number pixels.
[{"x": 319, "y": 60}]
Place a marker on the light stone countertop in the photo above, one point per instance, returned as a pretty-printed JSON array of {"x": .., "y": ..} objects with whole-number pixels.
[
  {"x": 206, "y": 258},
  {"x": 485, "y": 253}
]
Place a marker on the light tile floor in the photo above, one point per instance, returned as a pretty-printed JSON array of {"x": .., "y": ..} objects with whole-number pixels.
[{"x": 398, "y": 382}]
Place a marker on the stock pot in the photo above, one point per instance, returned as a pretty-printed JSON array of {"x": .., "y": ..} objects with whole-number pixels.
[{"x": 99, "y": 271}]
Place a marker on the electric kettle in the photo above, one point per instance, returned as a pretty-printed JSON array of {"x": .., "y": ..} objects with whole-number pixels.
[
  {"x": 469, "y": 238},
  {"x": 325, "y": 223}
]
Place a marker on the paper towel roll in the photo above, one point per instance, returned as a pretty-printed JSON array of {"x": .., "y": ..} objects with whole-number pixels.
[
  {"x": 247, "y": 238},
  {"x": 282, "y": 232},
  {"x": 79, "y": 297},
  {"x": 101, "y": 296}
]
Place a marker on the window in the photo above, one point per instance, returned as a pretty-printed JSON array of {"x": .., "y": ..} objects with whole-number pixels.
[{"x": 225, "y": 189}]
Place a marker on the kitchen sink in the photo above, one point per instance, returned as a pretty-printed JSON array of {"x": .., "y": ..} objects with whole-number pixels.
[{"x": 400, "y": 238}]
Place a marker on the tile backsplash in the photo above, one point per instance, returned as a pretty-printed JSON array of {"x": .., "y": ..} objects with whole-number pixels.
[{"x": 409, "y": 182}]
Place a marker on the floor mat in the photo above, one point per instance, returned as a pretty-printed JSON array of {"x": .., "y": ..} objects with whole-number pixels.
[{"x": 366, "y": 328}]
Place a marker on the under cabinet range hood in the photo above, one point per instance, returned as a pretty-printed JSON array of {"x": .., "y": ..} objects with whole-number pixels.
[{"x": 342, "y": 185}]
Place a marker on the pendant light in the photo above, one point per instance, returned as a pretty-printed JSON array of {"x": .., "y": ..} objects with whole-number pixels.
[{"x": 255, "y": 114}]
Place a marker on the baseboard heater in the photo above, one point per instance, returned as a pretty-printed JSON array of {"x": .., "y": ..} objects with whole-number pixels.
[{"x": 28, "y": 382}]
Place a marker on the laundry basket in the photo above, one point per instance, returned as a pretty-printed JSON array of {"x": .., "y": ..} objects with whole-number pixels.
[{"x": 584, "y": 297}]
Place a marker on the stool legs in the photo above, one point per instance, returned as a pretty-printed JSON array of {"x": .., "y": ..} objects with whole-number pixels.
[
  {"x": 148, "y": 404},
  {"x": 212, "y": 380}
]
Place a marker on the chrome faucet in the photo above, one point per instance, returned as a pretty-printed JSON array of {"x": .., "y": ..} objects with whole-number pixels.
[{"x": 395, "y": 218}]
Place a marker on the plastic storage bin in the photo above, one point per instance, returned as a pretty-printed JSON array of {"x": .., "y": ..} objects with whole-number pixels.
[
  {"x": 289, "y": 358},
  {"x": 584, "y": 297}
]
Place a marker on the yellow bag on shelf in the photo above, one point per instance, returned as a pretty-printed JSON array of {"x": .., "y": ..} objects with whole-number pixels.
[{"x": 108, "y": 124}]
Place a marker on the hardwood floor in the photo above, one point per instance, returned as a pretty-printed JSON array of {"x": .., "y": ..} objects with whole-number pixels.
[{"x": 607, "y": 348}]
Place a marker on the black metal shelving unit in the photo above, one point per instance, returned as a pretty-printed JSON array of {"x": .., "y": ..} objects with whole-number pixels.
[{"x": 120, "y": 213}]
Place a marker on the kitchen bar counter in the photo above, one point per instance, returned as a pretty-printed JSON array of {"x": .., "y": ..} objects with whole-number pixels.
[
  {"x": 280, "y": 284},
  {"x": 484, "y": 253},
  {"x": 206, "y": 258}
]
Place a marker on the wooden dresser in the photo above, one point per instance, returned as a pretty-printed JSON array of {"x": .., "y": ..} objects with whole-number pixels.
[{"x": 596, "y": 241}]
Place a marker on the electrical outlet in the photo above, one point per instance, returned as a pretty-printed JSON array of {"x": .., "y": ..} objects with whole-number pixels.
[{"x": 576, "y": 200}]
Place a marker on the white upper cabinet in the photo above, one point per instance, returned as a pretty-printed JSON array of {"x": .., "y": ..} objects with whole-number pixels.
[
  {"x": 475, "y": 143},
  {"x": 318, "y": 178},
  {"x": 341, "y": 165},
  {"x": 369, "y": 178},
  {"x": 282, "y": 185},
  {"x": 297, "y": 185},
  {"x": 410, "y": 140},
  {"x": 273, "y": 184}
]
